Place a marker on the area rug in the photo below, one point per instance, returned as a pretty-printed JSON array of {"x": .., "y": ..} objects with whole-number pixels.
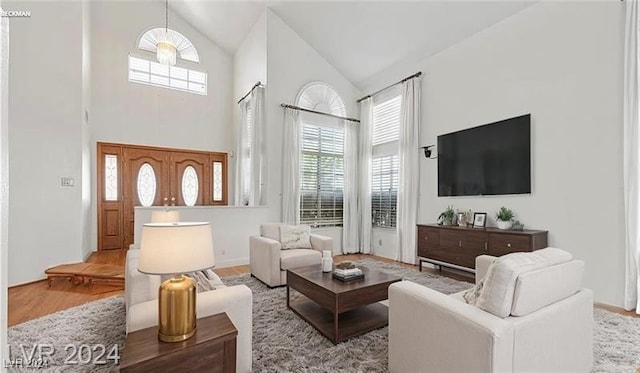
[
  {"x": 75, "y": 337},
  {"x": 282, "y": 342}
]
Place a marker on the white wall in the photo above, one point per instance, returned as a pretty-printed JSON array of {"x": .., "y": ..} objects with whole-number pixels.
[
  {"x": 250, "y": 60},
  {"x": 133, "y": 113},
  {"x": 45, "y": 138},
  {"x": 231, "y": 227},
  {"x": 87, "y": 244},
  {"x": 249, "y": 67},
  {"x": 292, "y": 63},
  {"x": 562, "y": 62},
  {"x": 4, "y": 184}
]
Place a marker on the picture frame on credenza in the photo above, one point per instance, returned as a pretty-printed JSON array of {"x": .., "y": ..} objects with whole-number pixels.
[{"x": 479, "y": 219}]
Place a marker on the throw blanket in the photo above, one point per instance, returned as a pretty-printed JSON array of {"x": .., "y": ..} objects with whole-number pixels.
[{"x": 494, "y": 293}]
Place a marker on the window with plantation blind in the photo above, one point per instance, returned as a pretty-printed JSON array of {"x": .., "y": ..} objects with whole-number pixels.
[
  {"x": 384, "y": 163},
  {"x": 322, "y": 175}
]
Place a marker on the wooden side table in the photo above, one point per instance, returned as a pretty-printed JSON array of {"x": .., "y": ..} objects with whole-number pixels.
[{"x": 211, "y": 349}]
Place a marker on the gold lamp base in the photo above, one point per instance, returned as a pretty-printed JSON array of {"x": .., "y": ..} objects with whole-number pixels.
[{"x": 177, "y": 309}]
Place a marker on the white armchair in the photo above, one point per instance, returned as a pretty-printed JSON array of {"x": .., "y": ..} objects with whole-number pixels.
[
  {"x": 141, "y": 303},
  {"x": 552, "y": 331},
  {"x": 269, "y": 263}
]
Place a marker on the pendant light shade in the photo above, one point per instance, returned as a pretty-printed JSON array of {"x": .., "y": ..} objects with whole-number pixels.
[{"x": 166, "y": 53}]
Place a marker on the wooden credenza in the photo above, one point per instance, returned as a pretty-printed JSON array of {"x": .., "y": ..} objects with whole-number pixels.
[{"x": 458, "y": 247}]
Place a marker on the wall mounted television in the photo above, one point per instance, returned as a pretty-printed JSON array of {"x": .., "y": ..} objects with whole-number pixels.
[{"x": 492, "y": 159}]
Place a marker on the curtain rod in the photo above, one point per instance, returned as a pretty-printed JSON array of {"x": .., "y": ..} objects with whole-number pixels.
[
  {"x": 318, "y": 112},
  {"x": 389, "y": 86},
  {"x": 258, "y": 84}
]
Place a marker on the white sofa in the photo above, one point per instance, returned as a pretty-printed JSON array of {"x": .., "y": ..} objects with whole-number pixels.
[
  {"x": 430, "y": 331},
  {"x": 269, "y": 263},
  {"x": 141, "y": 293}
]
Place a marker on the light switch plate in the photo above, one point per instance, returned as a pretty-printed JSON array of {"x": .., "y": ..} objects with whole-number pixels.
[{"x": 67, "y": 181}]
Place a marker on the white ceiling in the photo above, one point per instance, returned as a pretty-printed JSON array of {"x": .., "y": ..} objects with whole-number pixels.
[
  {"x": 226, "y": 23},
  {"x": 359, "y": 38}
]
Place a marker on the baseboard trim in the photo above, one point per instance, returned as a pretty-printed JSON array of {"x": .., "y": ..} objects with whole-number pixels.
[
  {"x": 616, "y": 309},
  {"x": 232, "y": 263},
  {"x": 26, "y": 283},
  {"x": 88, "y": 254}
]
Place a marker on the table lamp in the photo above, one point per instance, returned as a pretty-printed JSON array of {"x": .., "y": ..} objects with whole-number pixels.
[
  {"x": 165, "y": 216},
  {"x": 175, "y": 249}
]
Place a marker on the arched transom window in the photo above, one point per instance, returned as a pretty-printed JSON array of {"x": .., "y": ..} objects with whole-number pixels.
[
  {"x": 186, "y": 50},
  {"x": 320, "y": 97}
]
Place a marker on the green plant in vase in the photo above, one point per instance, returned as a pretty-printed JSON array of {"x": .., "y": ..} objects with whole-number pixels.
[
  {"x": 446, "y": 217},
  {"x": 504, "y": 218}
]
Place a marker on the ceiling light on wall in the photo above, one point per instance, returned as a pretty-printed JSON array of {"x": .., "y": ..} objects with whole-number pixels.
[{"x": 165, "y": 50}]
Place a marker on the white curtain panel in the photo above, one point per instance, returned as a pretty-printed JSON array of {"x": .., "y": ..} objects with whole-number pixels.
[
  {"x": 258, "y": 164},
  {"x": 242, "y": 158},
  {"x": 631, "y": 158},
  {"x": 291, "y": 167},
  {"x": 250, "y": 152},
  {"x": 350, "y": 212},
  {"x": 364, "y": 197},
  {"x": 409, "y": 172}
]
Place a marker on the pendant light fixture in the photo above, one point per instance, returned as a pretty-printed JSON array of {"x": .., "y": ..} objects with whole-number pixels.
[{"x": 165, "y": 50}]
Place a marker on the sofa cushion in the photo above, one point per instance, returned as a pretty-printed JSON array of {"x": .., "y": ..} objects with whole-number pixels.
[
  {"x": 295, "y": 237},
  {"x": 496, "y": 291},
  {"x": 270, "y": 230},
  {"x": 296, "y": 258},
  {"x": 542, "y": 287}
]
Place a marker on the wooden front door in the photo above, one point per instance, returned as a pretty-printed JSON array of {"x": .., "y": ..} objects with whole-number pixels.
[
  {"x": 198, "y": 178},
  {"x": 146, "y": 183},
  {"x": 130, "y": 176}
]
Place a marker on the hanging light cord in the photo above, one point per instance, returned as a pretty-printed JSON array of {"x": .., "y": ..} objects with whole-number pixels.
[{"x": 166, "y": 17}]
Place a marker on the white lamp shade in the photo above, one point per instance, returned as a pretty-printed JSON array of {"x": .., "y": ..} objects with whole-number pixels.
[
  {"x": 170, "y": 216},
  {"x": 174, "y": 248},
  {"x": 166, "y": 53}
]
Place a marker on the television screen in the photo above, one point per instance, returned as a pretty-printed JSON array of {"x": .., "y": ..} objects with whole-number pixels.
[{"x": 486, "y": 160}]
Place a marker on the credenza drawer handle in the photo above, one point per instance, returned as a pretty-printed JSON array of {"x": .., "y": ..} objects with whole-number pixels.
[{"x": 508, "y": 245}]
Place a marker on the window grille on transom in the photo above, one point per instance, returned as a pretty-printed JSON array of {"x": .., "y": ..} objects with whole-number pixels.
[{"x": 173, "y": 77}]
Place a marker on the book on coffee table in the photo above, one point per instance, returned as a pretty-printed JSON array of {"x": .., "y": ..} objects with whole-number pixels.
[
  {"x": 348, "y": 274},
  {"x": 348, "y": 278}
]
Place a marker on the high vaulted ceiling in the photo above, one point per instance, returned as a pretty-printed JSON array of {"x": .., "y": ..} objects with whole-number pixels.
[{"x": 359, "y": 38}]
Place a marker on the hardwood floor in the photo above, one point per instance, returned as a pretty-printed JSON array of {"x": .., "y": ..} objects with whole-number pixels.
[{"x": 37, "y": 299}]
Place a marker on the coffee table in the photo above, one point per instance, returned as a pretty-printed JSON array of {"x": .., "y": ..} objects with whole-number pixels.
[{"x": 340, "y": 310}]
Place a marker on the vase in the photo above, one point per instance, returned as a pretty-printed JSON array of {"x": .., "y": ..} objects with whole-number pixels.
[
  {"x": 327, "y": 261},
  {"x": 504, "y": 225}
]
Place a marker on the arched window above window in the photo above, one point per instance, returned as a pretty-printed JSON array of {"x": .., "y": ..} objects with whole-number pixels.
[
  {"x": 186, "y": 50},
  {"x": 322, "y": 144},
  {"x": 149, "y": 72},
  {"x": 320, "y": 97}
]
